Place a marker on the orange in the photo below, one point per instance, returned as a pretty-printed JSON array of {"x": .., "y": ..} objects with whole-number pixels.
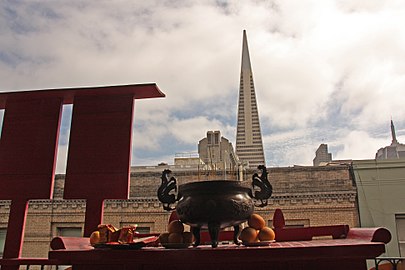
[
  {"x": 266, "y": 234},
  {"x": 94, "y": 238},
  {"x": 187, "y": 237},
  {"x": 176, "y": 226},
  {"x": 164, "y": 238},
  {"x": 256, "y": 221},
  {"x": 248, "y": 235},
  {"x": 175, "y": 238}
]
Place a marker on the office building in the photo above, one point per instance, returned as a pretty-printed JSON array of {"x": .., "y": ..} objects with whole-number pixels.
[{"x": 249, "y": 145}]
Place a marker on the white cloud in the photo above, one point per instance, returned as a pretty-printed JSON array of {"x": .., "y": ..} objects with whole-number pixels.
[
  {"x": 359, "y": 145},
  {"x": 322, "y": 69},
  {"x": 61, "y": 159}
]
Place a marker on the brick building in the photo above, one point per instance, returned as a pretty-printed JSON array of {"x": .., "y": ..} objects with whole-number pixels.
[
  {"x": 307, "y": 195},
  {"x": 322, "y": 156}
]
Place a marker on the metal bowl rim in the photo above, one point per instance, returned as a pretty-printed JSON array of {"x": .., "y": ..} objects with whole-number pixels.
[{"x": 214, "y": 185}]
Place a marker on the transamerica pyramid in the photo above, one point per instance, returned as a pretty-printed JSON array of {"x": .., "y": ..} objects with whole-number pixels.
[{"x": 249, "y": 145}]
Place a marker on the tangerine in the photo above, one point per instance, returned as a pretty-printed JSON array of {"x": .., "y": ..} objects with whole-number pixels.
[
  {"x": 175, "y": 238},
  {"x": 187, "y": 237},
  {"x": 176, "y": 226},
  {"x": 164, "y": 238},
  {"x": 94, "y": 238},
  {"x": 256, "y": 221},
  {"x": 266, "y": 234},
  {"x": 248, "y": 235}
]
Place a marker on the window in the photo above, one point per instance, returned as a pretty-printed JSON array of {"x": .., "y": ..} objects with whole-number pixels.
[
  {"x": 400, "y": 222},
  {"x": 143, "y": 229},
  {"x": 292, "y": 223},
  {"x": 2, "y": 240},
  {"x": 69, "y": 231},
  {"x": 209, "y": 137}
]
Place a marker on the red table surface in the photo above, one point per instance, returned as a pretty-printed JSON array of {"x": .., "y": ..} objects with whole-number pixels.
[{"x": 316, "y": 254}]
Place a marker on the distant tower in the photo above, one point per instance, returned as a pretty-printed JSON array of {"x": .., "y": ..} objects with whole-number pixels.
[
  {"x": 394, "y": 137},
  {"x": 217, "y": 152},
  {"x": 322, "y": 155},
  {"x": 249, "y": 145},
  {"x": 395, "y": 150}
]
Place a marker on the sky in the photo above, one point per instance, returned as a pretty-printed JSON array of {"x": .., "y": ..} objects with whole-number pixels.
[{"x": 324, "y": 71}]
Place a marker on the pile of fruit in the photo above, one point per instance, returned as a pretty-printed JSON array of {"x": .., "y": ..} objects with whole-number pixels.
[
  {"x": 176, "y": 235},
  {"x": 257, "y": 231},
  {"x": 107, "y": 233}
]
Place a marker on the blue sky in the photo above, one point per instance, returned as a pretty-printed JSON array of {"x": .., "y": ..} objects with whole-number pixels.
[{"x": 325, "y": 71}]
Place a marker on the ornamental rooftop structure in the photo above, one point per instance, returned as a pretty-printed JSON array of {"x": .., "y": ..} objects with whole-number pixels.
[
  {"x": 395, "y": 150},
  {"x": 99, "y": 149}
]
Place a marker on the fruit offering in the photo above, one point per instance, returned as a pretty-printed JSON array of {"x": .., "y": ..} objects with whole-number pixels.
[
  {"x": 107, "y": 233},
  {"x": 176, "y": 236},
  {"x": 257, "y": 231}
]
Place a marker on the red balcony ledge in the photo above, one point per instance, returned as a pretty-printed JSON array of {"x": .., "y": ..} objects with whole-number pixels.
[{"x": 339, "y": 248}]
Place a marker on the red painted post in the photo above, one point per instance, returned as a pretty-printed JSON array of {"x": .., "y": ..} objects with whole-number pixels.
[
  {"x": 15, "y": 228},
  {"x": 28, "y": 148},
  {"x": 99, "y": 154},
  {"x": 94, "y": 215}
]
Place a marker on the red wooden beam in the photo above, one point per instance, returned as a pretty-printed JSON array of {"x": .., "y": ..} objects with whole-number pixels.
[
  {"x": 14, "y": 263},
  {"x": 138, "y": 91},
  {"x": 99, "y": 156},
  {"x": 335, "y": 231},
  {"x": 28, "y": 147}
]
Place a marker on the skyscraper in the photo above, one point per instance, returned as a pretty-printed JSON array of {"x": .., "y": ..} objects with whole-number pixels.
[{"x": 249, "y": 145}]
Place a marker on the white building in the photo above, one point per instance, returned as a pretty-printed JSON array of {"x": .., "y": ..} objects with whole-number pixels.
[
  {"x": 217, "y": 152},
  {"x": 395, "y": 150}
]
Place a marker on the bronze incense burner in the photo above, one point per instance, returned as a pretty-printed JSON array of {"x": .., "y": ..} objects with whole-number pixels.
[{"x": 214, "y": 205}]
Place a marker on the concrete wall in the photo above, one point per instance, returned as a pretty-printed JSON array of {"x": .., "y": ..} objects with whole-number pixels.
[{"x": 381, "y": 195}]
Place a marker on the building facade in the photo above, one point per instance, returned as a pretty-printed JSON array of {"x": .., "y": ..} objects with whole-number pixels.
[
  {"x": 382, "y": 185},
  {"x": 249, "y": 145},
  {"x": 381, "y": 189},
  {"x": 217, "y": 152},
  {"x": 308, "y": 196}
]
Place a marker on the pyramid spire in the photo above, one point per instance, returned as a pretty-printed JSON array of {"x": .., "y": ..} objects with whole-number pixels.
[
  {"x": 245, "y": 54},
  {"x": 249, "y": 145},
  {"x": 394, "y": 137}
]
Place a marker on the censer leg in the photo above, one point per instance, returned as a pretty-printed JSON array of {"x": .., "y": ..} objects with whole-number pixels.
[
  {"x": 197, "y": 237},
  {"x": 236, "y": 233},
  {"x": 213, "y": 229}
]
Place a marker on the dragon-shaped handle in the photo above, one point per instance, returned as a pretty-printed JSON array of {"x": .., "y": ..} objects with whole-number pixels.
[
  {"x": 164, "y": 193},
  {"x": 261, "y": 186}
]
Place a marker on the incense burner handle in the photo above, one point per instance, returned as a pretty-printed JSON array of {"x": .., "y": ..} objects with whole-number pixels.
[
  {"x": 261, "y": 187},
  {"x": 167, "y": 191}
]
